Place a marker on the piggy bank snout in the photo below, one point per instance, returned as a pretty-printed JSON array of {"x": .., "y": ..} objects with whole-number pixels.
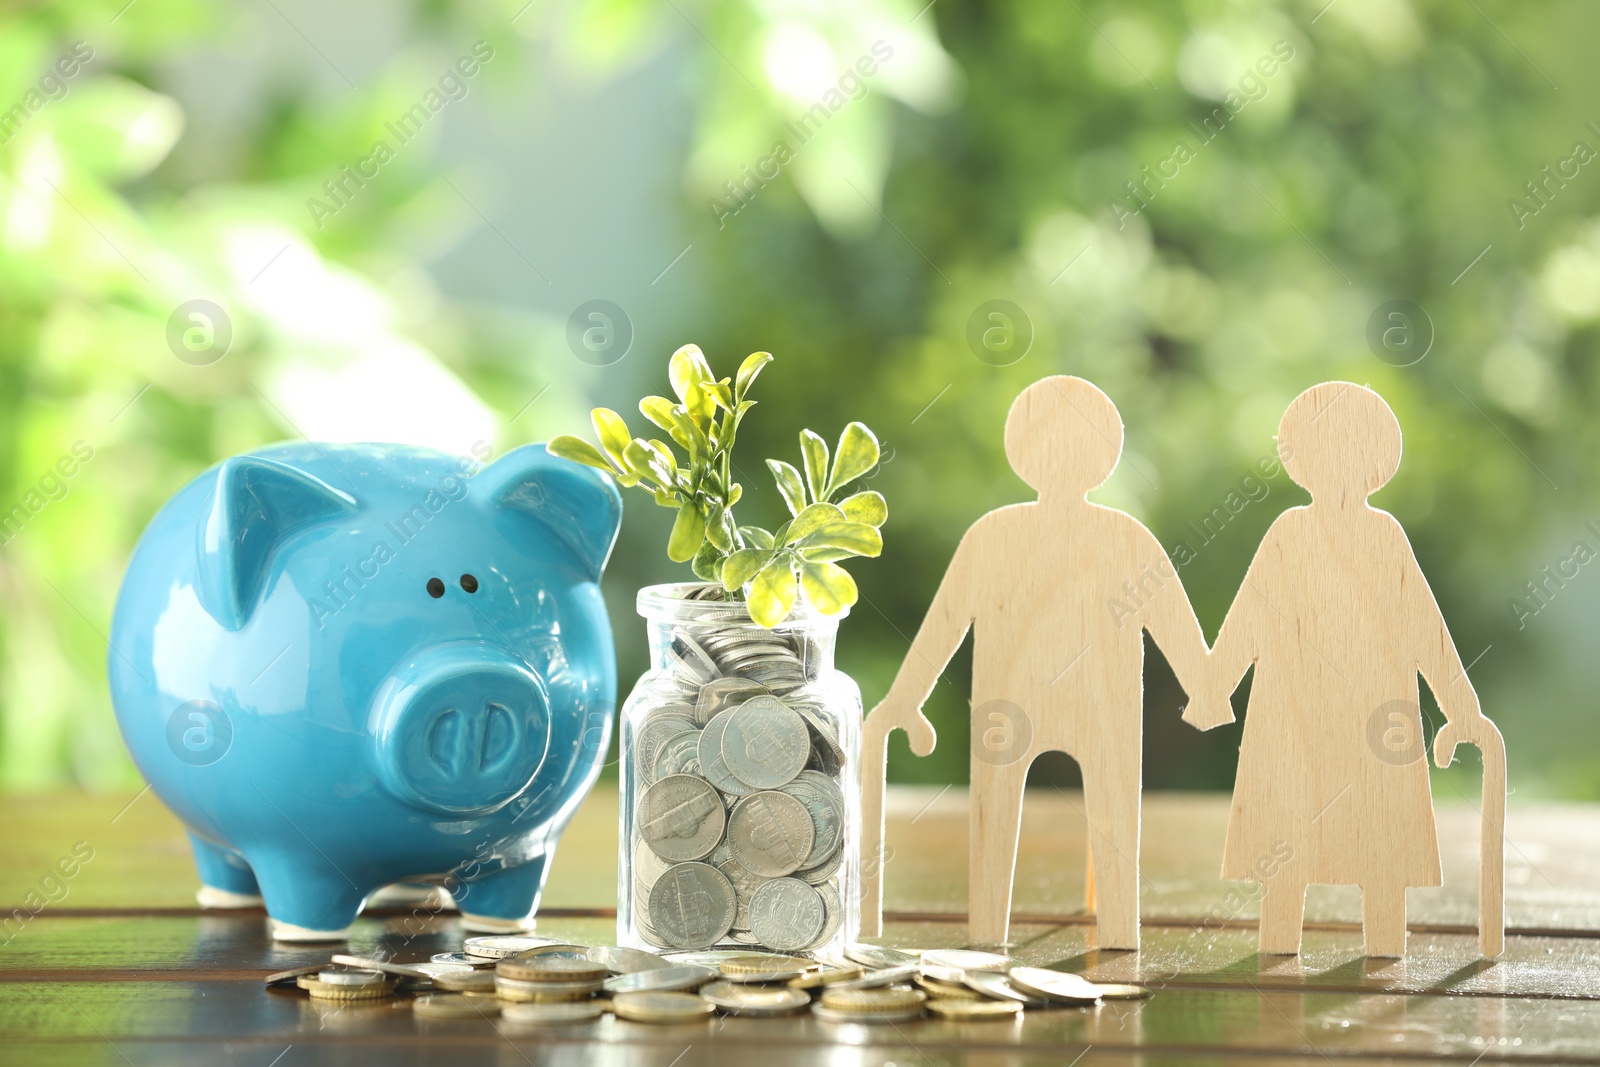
[{"x": 461, "y": 730}]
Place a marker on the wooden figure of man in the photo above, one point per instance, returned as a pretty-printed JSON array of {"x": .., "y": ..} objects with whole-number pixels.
[
  {"x": 1057, "y": 592},
  {"x": 1338, "y": 620}
]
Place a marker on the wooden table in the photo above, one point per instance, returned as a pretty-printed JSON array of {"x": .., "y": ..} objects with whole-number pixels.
[{"x": 121, "y": 968}]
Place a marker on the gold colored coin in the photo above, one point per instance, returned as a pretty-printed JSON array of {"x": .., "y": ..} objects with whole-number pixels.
[
  {"x": 453, "y": 1006},
  {"x": 764, "y": 963},
  {"x": 975, "y": 1010},
  {"x": 868, "y": 1001},
  {"x": 466, "y": 982},
  {"x": 826, "y": 976},
  {"x": 661, "y": 1007},
  {"x": 546, "y": 969},
  {"x": 323, "y": 991},
  {"x": 935, "y": 987}
]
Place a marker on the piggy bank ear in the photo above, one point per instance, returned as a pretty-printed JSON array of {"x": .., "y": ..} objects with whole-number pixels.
[
  {"x": 258, "y": 503},
  {"x": 578, "y": 504}
]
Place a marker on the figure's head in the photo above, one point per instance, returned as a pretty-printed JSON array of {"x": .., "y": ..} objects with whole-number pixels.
[
  {"x": 1339, "y": 441},
  {"x": 1063, "y": 436}
]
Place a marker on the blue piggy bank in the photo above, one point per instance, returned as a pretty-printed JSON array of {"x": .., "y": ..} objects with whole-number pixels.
[{"x": 350, "y": 666}]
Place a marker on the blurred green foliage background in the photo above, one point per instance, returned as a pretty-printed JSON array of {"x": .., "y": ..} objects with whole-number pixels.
[{"x": 1199, "y": 205}]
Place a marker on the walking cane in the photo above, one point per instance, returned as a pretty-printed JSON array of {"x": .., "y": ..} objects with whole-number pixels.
[
  {"x": 874, "y": 769},
  {"x": 1491, "y": 851}
]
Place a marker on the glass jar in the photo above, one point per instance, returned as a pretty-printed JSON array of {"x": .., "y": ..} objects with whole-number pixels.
[{"x": 740, "y": 764}]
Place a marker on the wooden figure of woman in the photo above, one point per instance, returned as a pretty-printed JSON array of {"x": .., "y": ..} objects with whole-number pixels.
[{"x": 1334, "y": 613}]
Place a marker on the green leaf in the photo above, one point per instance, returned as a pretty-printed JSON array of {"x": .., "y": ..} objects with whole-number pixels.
[
  {"x": 717, "y": 532},
  {"x": 789, "y": 485},
  {"x": 707, "y": 563},
  {"x": 578, "y": 450},
  {"x": 827, "y": 586},
  {"x": 688, "y": 531},
  {"x": 867, "y": 506},
  {"x": 748, "y": 370},
  {"x": 667, "y": 499},
  {"x": 825, "y": 555},
  {"x": 659, "y": 410},
  {"x": 687, "y": 368},
  {"x": 720, "y": 394},
  {"x": 812, "y": 518},
  {"x": 735, "y": 491},
  {"x": 646, "y": 460},
  {"x": 857, "y": 454},
  {"x": 743, "y": 565},
  {"x": 857, "y": 538},
  {"x": 612, "y": 434},
  {"x": 757, "y": 536},
  {"x": 773, "y": 591},
  {"x": 814, "y": 450}
]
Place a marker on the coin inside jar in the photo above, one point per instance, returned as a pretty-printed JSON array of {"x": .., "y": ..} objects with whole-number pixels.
[
  {"x": 692, "y": 905},
  {"x": 786, "y": 913},
  {"x": 770, "y": 833},
  {"x": 681, "y": 818},
  {"x": 765, "y": 743}
]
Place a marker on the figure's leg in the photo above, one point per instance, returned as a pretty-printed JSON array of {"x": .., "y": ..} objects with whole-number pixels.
[
  {"x": 1383, "y": 919},
  {"x": 226, "y": 880},
  {"x": 307, "y": 898},
  {"x": 1283, "y": 908},
  {"x": 1111, "y": 799},
  {"x": 994, "y": 821},
  {"x": 504, "y": 900}
]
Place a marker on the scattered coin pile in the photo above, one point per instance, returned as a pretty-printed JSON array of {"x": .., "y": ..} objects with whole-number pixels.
[
  {"x": 735, "y": 764},
  {"x": 544, "y": 982}
]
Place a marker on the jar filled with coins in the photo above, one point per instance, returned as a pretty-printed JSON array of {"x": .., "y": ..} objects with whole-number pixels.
[{"x": 740, "y": 813}]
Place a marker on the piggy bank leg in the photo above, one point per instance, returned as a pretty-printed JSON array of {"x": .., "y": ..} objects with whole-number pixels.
[
  {"x": 503, "y": 901},
  {"x": 226, "y": 880},
  {"x": 307, "y": 899}
]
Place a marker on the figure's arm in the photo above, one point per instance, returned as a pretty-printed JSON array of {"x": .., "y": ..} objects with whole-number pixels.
[
  {"x": 1231, "y": 655},
  {"x": 942, "y": 631},
  {"x": 1171, "y": 622},
  {"x": 1439, "y": 663}
]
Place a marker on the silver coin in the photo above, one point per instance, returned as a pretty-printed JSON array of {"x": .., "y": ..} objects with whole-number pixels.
[
  {"x": 831, "y": 1015},
  {"x": 693, "y": 659},
  {"x": 621, "y": 960},
  {"x": 965, "y": 959},
  {"x": 672, "y": 977},
  {"x": 877, "y": 979},
  {"x": 786, "y": 914},
  {"x": 1059, "y": 986},
  {"x": 1000, "y": 987},
  {"x": 739, "y": 999},
  {"x": 878, "y": 956},
  {"x": 464, "y": 958},
  {"x": 682, "y": 818},
  {"x": 712, "y": 958},
  {"x": 824, "y": 873},
  {"x": 721, "y": 694},
  {"x": 404, "y": 970},
  {"x": 833, "y": 912},
  {"x": 680, "y": 755},
  {"x": 351, "y": 978},
  {"x": 826, "y": 805},
  {"x": 709, "y": 757},
  {"x": 549, "y": 1013},
  {"x": 770, "y": 833},
  {"x": 744, "y": 885},
  {"x": 765, "y": 743},
  {"x": 501, "y": 946},
  {"x": 647, "y": 866},
  {"x": 692, "y": 905},
  {"x": 654, "y": 734}
]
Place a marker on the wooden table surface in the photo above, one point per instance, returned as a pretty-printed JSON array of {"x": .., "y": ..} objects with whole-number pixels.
[{"x": 119, "y": 967}]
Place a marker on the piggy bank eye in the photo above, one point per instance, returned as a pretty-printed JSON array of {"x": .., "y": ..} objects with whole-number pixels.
[
  {"x": 469, "y": 584},
  {"x": 435, "y": 588}
]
